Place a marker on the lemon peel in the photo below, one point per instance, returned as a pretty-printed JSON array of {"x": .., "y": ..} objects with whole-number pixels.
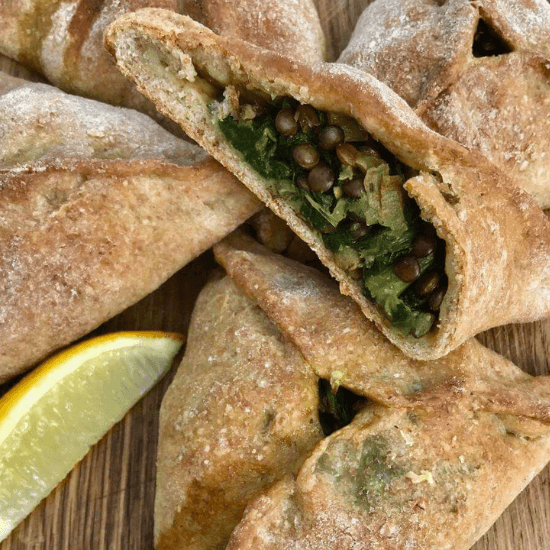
[{"x": 50, "y": 419}]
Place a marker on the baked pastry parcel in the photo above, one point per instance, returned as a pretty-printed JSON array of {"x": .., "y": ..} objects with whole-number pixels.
[
  {"x": 293, "y": 423},
  {"x": 64, "y": 40},
  {"x": 98, "y": 206},
  {"x": 429, "y": 238},
  {"x": 239, "y": 415},
  {"x": 476, "y": 72}
]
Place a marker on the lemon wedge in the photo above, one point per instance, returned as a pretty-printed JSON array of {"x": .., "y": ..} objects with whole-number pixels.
[{"x": 49, "y": 421}]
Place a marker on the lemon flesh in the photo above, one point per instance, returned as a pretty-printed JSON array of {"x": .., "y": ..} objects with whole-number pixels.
[{"x": 49, "y": 421}]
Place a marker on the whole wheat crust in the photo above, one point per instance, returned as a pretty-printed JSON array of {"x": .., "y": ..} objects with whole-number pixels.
[
  {"x": 98, "y": 207},
  {"x": 428, "y": 462}
]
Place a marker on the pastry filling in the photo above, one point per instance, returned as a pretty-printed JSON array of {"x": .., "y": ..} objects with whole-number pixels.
[
  {"x": 337, "y": 406},
  {"x": 349, "y": 189}
]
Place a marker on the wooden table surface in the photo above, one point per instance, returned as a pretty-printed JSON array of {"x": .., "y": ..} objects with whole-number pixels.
[{"x": 106, "y": 502}]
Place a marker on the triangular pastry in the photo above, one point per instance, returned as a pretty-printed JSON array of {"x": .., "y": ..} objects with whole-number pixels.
[
  {"x": 244, "y": 461},
  {"x": 240, "y": 414},
  {"x": 98, "y": 207}
]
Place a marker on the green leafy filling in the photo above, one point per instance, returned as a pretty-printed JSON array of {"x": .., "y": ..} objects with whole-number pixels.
[
  {"x": 392, "y": 218},
  {"x": 363, "y": 472},
  {"x": 336, "y": 409},
  {"x": 386, "y": 289}
]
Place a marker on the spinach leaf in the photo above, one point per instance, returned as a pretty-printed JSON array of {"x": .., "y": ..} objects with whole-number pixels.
[
  {"x": 257, "y": 141},
  {"x": 344, "y": 236},
  {"x": 386, "y": 288},
  {"x": 385, "y": 246}
]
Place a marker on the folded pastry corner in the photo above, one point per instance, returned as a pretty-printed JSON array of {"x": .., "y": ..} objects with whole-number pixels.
[
  {"x": 472, "y": 71},
  {"x": 429, "y": 238},
  {"x": 98, "y": 207}
]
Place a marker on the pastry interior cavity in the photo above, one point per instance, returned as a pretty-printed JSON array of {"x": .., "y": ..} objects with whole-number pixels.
[
  {"x": 337, "y": 406},
  {"x": 348, "y": 189}
]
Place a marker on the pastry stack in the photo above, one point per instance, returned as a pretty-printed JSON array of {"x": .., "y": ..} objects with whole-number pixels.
[{"x": 343, "y": 404}]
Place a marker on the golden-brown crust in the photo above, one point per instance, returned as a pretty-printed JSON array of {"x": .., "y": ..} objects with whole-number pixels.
[
  {"x": 83, "y": 241},
  {"x": 397, "y": 480},
  {"x": 240, "y": 414},
  {"x": 511, "y": 103},
  {"x": 525, "y": 24},
  {"x": 85, "y": 235},
  {"x": 290, "y": 27},
  {"x": 64, "y": 40},
  {"x": 419, "y": 47},
  {"x": 425, "y": 52},
  {"x": 414, "y": 46},
  {"x": 297, "y": 298},
  {"x": 42, "y": 122},
  {"x": 430, "y": 472},
  {"x": 497, "y": 238}
]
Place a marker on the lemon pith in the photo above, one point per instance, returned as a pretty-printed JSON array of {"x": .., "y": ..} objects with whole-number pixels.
[{"x": 50, "y": 419}]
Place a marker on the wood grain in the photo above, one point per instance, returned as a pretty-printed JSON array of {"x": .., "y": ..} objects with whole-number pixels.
[{"x": 106, "y": 502}]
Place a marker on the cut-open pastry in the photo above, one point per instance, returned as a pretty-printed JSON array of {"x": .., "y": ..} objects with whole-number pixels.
[
  {"x": 477, "y": 72},
  {"x": 98, "y": 207},
  {"x": 430, "y": 239},
  {"x": 415, "y": 454}
]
